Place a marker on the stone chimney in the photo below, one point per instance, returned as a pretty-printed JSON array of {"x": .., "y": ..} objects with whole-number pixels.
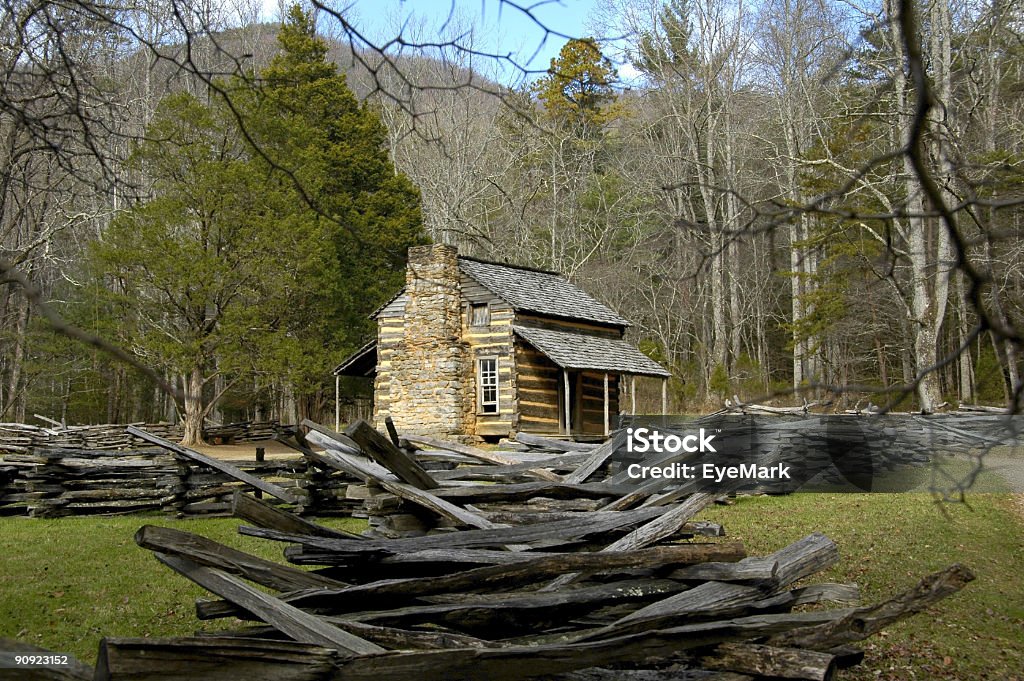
[{"x": 429, "y": 375}]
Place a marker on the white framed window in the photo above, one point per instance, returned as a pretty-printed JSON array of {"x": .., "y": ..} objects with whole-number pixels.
[
  {"x": 487, "y": 385},
  {"x": 479, "y": 314}
]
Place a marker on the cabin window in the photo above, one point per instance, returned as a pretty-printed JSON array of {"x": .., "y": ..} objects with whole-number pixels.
[
  {"x": 487, "y": 373},
  {"x": 479, "y": 314}
]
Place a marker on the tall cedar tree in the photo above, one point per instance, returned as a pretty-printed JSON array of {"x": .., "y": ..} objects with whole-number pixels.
[
  {"x": 320, "y": 142},
  {"x": 260, "y": 261}
]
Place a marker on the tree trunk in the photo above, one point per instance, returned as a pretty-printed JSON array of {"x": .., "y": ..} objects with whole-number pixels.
[
  {"x": 796, "y": 298},
  {"x": 883, "y": 370},
  {"x": 258, "y": 401},
  {"x": 170, "y": 404},
  {"x": 966, "y": 366},
  {"x": 289, "y": 409},
  {"x": 114, "y": 395},
  {"x": 193, "y": 412},
  {"x": 929, "y": 270},
  {"x": 15, "y": 389}
]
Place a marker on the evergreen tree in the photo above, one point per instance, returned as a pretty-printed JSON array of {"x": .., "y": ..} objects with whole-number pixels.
[
  {"x": 316, "y": 141},
  {"x": 188, "y": 268},
  {"x": 276, "y": 225}
]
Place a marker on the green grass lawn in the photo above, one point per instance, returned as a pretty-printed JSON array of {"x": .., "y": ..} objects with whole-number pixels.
[
  {"x": 887, "y": 542},
  {"x": 66, "y": 583}
]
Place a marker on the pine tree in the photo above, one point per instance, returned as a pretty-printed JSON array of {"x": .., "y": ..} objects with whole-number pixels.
[{"x": 578, "y": 88}]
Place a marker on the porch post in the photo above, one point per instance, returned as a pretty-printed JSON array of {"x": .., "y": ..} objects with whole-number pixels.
[
  {"x": 606, "y": 422},
  {"x": 568, "y": 402},
  {"x": 664, "y": 396},
  {"x": 632, "y": 394},
  {"x": 337, "y": 403}
]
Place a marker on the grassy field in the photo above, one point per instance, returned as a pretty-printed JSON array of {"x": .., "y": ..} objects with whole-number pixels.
[
  {"x": 887, "y": 542},
  {"x": 66, "y": 583}
]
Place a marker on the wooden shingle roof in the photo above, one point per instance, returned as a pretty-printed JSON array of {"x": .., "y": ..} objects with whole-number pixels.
[
  {"x": 545, "y": 293},
  {"x": 573, "y": 350}
]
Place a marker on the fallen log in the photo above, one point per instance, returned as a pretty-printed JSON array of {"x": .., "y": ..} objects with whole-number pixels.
[
  {"x": 752, "y": 570},
  {"x": 517, "y": 574},
  {"x": 665, "y": 525},
  {"x": 502, "y": 615},
  {"x": 863, "y": 622},
  {"x": 553, "y": 443},
  {"x": 524, "y": 491},
  {"x": 437, "y": 505},
  {"x": 771, "y": 661},
  {"x": 489, "y": 615},
  {"x": 477, "y": 453},
  {"x": 524, "y": 469},
  {"x": 310, "y": 550},
  {"x": 340, "y": 458},
  {"x": 721, "y": 599},
  {"x": 213, "y": 659},
  {"x": 597, "y": 459}
]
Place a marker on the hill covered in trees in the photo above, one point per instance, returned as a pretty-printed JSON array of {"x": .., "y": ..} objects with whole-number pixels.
[{"x": 793, "y": 195}]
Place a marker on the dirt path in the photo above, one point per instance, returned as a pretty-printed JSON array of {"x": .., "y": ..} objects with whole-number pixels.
[{"x": 246, "y": 451}]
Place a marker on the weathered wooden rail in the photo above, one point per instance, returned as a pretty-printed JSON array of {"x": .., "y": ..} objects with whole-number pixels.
[
  {"x": 54, "y": 482},
  {"x": 113, "y": 469},
  {"x": 20, "y": 437}
]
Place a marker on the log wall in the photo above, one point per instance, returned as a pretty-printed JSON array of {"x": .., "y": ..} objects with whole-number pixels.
[
  {"x": 493, "y": 340},
  {"x": 537, "y": 380}
]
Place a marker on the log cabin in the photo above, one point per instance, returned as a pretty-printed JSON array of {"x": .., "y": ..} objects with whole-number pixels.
[{"x": 477, "y": 350}]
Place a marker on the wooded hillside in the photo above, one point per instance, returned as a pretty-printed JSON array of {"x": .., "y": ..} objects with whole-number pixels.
[{"x": 790, "y": 195}]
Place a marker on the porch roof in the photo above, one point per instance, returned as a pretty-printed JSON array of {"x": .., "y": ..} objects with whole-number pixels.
[{"x": 572, "y": 350}]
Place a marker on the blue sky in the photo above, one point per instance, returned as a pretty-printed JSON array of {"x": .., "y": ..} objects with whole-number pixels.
[{"x": 500, "y": 27}]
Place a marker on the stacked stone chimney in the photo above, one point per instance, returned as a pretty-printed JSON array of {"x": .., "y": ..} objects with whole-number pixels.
[{"x": 429, "y": 373}]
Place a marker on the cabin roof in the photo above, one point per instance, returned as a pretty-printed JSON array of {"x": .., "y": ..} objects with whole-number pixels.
[
  {"x": 576, "y": 350},
  {"x": 528, "y": 289},
  {"x": 539, "y": 291}
]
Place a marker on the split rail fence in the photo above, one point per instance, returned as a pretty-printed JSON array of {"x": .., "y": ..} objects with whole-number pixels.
[{"x": 501, "y": 566}]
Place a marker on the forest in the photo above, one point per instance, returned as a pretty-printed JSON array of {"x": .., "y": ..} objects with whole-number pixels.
[{"x": 790, "y": 199}]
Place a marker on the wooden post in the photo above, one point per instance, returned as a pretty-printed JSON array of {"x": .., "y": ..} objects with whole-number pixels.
[
  {"x": 261, "y": 455},
  {"x": 664, "y": 396},
  {"x": 632, "y": 394},
  {"x": 568, "y": 402},
  {"x": 606, "y": 428},
  {"x": 337, "y": 402}
]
